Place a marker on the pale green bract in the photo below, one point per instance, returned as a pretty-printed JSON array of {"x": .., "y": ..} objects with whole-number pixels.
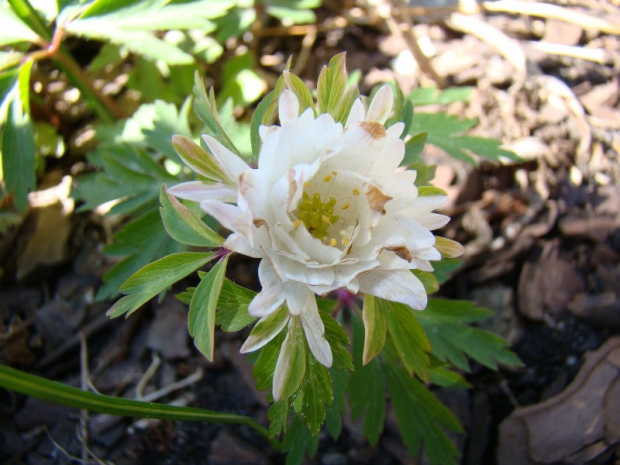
[{"x": 326, "y": 208}]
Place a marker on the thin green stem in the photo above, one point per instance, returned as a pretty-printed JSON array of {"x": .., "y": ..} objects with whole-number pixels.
[{"x": 59, "y": 393}]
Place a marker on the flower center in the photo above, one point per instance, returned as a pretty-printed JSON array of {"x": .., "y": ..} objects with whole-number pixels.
[{"x": 317, "y": 214}]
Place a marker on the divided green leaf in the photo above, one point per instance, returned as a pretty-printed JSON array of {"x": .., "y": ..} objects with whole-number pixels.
[{"x": 445, "y": 323}]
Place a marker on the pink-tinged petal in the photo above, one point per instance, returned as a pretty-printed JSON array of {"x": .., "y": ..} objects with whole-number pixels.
[
  {"x": 399, "y": 286},
  {"x": 288, "y": 107},
  {"x": 381, "y": 105},
  {"x": 357, "y": 113},
  {"x": 199, "y": 191},
  {"x": 315, "y": 332},
  {"x": 231, "y": 164},
  {"x": 229, "y": 216},
  {"x": 272, "y": 294}
]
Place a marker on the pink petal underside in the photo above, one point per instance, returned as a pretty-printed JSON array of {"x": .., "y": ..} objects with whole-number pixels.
[
  {"x": 199, "y": 191},
  {"x": 399, "y": 286},
  {"x": 231, "y": 164}
]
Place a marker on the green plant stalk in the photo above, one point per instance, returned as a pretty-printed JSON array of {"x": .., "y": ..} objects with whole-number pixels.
[
  {"x": 59, "y": 393},
  {"x": 106, "y": 109}
]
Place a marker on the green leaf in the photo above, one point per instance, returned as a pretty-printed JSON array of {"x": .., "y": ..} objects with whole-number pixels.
[
  {"x": 266, "y": 329},
  {"x": 291, "y": 366},
  {"x": 331, "y": 85},
  {"x": 421, "y": 417},
  {"x": 338, "y": 342},
  {"x": 445, "y": 268},
  {"x": 375, "y": 328},
  {"x": 291, "y": 15},
  {"x": 205, "y": 107},
  {"x": 156, "y": 277},
  {"x": 366, "y": 389},
  {"x": 444, "y": 322},
  {"x": 59, "y": 393},
  {"x": 201, "y": 321},
  {"x": 413, "y": 149},
  {"x": 197, "y": 158},
  {"x": 430, "y": 95},
  {"x": 441, "y": 374},
  {"x": 333, "y": 417},
  {"x": 344, "y": 106},
  {"x": 232, "y": 314},
  {"x": 409, "y": 339},
  {"x": 183, "y": 226},
  {"x": 278, "y": 418},
  {"x": 265, "y": 114},
  {"x": 298, "y": 442},
  {"x": 13, "y": 29},
  {"x": 298, "y": 87},
  {"x": 317, "y": 394},
  {"x": 18, "y": 150},
  {"x": 446, "y": 132},
  {"x": 428, "y": 279},
  {"x": 140, "y": 241},
  {"x": 266, "y": 363},
  {"x": 241, "y": 83}
]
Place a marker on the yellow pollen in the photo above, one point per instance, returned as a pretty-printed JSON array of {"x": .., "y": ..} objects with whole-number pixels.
[
  {"x": 307, "y": 184},
  {"x": 333, "y": 242},
  {"x": 297, "y": 223},
  {"x": 326, "y": 219},
  {"x": 345, "y": 206},
  {"x": 335, "y": 173},
  {"x": 356, "y": 192},
  {"x": 345, "y": 241},
  {"x": 327, "y": 178}
]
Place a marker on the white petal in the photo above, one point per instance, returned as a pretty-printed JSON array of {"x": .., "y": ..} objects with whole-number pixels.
[
  {"x": 229, "y": 216},
  {"x": 271, "y": 296},
  {"x": 315, "y": 333},
  {"x": 199, "y": 191},
  {"x": 395, "y": 130},
  {"x": 293, "y": 270},
  {"x": 399, "y": 286},
  {"x": 432, "y": 221},
  {"x": 381, "y": 105},
  {"x": 288, "y": 107},
  {"x": 357, "y": 113},
  {"x": 241, "y": 244},
  {"x": 231, "y": 164},
  {"x": 254, "y": 186}
]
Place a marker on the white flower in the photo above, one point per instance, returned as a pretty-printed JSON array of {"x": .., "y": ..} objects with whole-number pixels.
[{"x": 326, "y": 208}]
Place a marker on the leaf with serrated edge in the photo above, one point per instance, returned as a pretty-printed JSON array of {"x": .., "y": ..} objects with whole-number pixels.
[
  {"x": 421, "y": 417},
  {"x": 183, "y": 226},
  {"x": 317, "y": 394},
  {"x": 409, "y": 339},
  {"x": 278, "y": 417},
  {"x": 232, "y": 314},
  {"x": 375, "y": 328},
  {"x": 201, "y": 320},
  {"x": 291, "y": 365}
]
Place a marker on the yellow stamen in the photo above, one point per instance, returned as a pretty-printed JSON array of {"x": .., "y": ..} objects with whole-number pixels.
[
  {"x": 297, "y": 223},
  {"x": 356, "y": 192},
  {"x": 345, "y": 206},
  {"x": 333, "y": 242},
  {"x": 307, "y": 184},
  {"x": 335, "y": 173},
  {"x": 345, "y": 241},
  {"x": 327, "y": 178}
]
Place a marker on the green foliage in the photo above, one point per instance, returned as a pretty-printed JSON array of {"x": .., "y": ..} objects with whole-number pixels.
[
  {"x": 149, "y": 281},
  {"x": 445, "y": 322}
]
